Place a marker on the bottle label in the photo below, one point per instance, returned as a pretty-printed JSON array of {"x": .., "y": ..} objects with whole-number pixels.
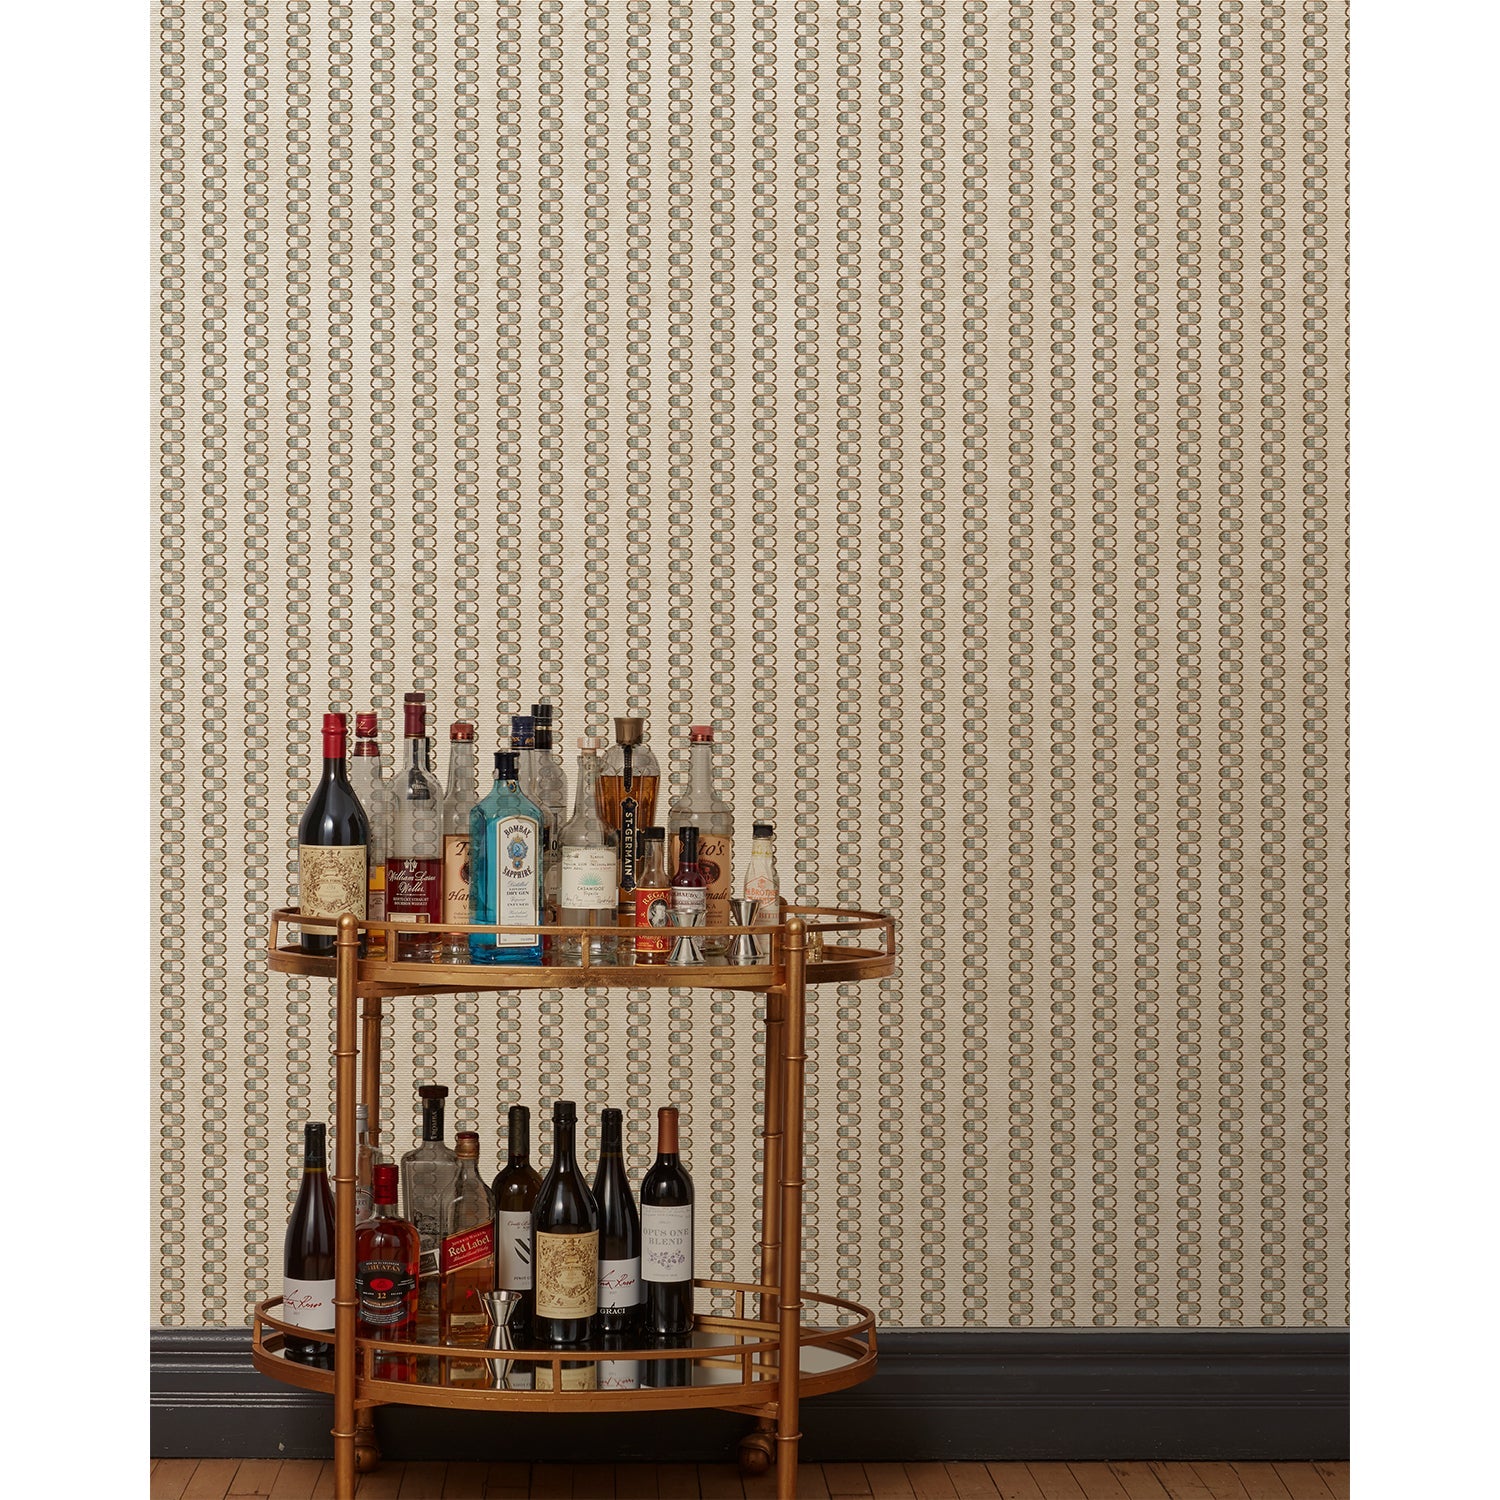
[
  {"x": 466, "y": 1247},
  {"x": 375, "y": 895},
  {"x": 690, "y": 901},
  {"x": 514, "y": 846},
  {"x": 455, "y": 877},
  {"x": 619, "y": 1374},
  {"x": 331, "y": 882},
  {"x": 567, "y": 1275},
  {"x": 384, "y": 1288},
  {"x": 667, "y": 1243},
  {"x": 629, "y": 815},
  {"x": 620, "y": 1284},
  {"x": 588, "y": 880},
  {"x": 513, "y": 1250},
  {"x": 414, "y": 890},
  {"x": 579, "y": 1377},
  {"x": 363, "y": 1202},
  {"x": 653, "y": 906},
  {"x": 308, "y": 1304},
  {"x": 714, "y": 850}
]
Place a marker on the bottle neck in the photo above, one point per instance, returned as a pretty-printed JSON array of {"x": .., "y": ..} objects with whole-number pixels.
[
  {"x": 315, "y": 1151},
  {"x": 520, "y": 1140},
  {"x": 612, "y": 1139},
  {"x": 563, "y": 1139},
  {"x": 701, "y": 769},
  {"x": 588, "y": 784},
  {"x": 666, "y": 1136},
  {"x": 416, "y": 752},
  {"x": 432, "y": 1120}
]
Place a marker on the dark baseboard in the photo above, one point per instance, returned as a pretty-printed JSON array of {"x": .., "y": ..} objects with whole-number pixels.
[{"x": 1001, "y": 1393}]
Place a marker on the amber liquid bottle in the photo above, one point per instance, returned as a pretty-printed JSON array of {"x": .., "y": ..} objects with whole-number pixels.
[
  {"x": 386, "y": 1250},
  {"x": 628, "y": 783},
  {"x": 467, "y": 1266}
]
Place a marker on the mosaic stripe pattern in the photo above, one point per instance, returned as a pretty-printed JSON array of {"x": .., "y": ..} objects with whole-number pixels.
[{"x": 947, "y": 401}]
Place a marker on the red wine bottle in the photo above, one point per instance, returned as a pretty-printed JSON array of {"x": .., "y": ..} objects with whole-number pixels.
[
  {"x": 333, "y": 842},
  {"x": 619, "y": 1234},
  {"x": 667, "y": 1234},
  {"x": 307, "y": 1284},
  {"x": 564, "y": 1242}
]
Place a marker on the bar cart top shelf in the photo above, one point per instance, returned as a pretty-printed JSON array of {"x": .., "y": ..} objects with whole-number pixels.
[{"x": 854, "y": 945}]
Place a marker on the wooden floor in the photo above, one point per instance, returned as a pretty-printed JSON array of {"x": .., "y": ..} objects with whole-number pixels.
[{"x": 310, "y": 1479}]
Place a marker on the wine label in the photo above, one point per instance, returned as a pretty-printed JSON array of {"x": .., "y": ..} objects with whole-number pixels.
[
  {"x": 620, "y": 1286},
  {"x": 515, "y": 870},
  {"x": 619, "y": 1374},
  {"x": 513, "y": 1250},
  {"x": 578, "y": 1377},
  {"x": 667, "y": 1243},
  {"x": 308, "y": 1304},
  {"x": 567, "y": 1275},
  {"x": 714, "y": 851},
  {"x": 384, "y": 1289},
  {"x": 653, "y": 905},
  {"x": 331, "y": 882},
  {"x": 455, "y": 877},
  {"x": 466, "y": 1247},
  {"x": 690, "y": 900},
  {"x": 414, "y": 890},
  {"x": 588, "y": 880}
]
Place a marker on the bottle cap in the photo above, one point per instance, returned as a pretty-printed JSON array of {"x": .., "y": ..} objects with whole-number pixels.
[
  {"x": 629, "y": 731},
  {"x": 462, "y": 730},
  {"x": 385, "y": 1178},
  {"x": 542, "y": 710},
  {"x": 590, "y": 742},
  {"x": 564, "y": 1112},
  {"x": 362, "y": 1114},
  {"x": 366, "y": 726},
  {"x": 763, "y": 831},
  {"x": 335, "y": 736},
  {"x": 653, "y": 835},
  {"x": 700, "y": 734},
  {"x": 522, "y": 731},
  {"x": 416, "y": 715},
  {"x": 506, "y": 767},
  {"x": 612, "y": 1116},
  {"x": 666, "y": 1129},
  {"x": 689, "y": 837},
  {"x": 433, "y": 1091},
  {"x": 466, "y": 1145},
  {"x": 335, "y": 723}
]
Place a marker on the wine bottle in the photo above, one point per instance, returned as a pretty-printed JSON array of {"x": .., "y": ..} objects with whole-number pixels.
[
  {"x": 333, "y": 842},
  {"x": 619, "y": 1234},
  {"x": 667, "y": 1234},
  {"x": 467, "y": 1265},
  {"x": 515, "y": 1191},
  {"x": 414, "y": 857},
  {"x": 307, "y": 1284},
  {"x": 564, "y": 1241},
  {"x": 386, "y": 1250}
]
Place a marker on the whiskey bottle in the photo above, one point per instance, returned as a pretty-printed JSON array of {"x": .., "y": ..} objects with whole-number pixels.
[
  {"x": 386, "y": 1250},
  {"x": 628, "y": 783},
  {"x": 428, "y": 1173},
  {"x": 459, "y": 797},
  {"x": 653, "y": 900},
  {"x": 466, "y": 1265},
  {"x": 414, "y": 861},
  {"x": 701, "y": 807}
]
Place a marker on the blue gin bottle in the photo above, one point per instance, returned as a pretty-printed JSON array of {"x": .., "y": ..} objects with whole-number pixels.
[{"x": 505, "y": 864}]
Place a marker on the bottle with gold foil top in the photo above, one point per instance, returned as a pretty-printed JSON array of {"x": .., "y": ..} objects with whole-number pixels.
[
  {"x": 628, "y": 784},
  {"x": 459, "y": 797},
  {"x": 703, "y": 808}
]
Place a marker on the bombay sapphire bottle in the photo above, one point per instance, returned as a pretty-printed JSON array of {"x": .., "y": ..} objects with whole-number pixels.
[{"x": 505, "y": 861}]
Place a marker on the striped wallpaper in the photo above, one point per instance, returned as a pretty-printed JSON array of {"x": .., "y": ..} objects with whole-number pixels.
[{"x": 945, "y": 400}]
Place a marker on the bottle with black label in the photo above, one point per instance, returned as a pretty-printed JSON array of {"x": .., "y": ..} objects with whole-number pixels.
[
  {"x": 628, "y": 783},
  {"x": 619, "y": 1233},
  {"x": 515, "y": 1191},
  {"x": 667, "y": 1234},
  {"x": 307, "y": 1284},
  {"x": 564, "y": 1241},
  {"x": 386, "y": 1251}
]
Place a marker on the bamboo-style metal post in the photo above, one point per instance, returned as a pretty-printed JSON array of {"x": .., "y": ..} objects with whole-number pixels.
[
  {"x": 773, "y": 1129},
  {"x": 372, "y": 1014},
  {"x": 345, "y": 1053},
  {"x": 788, "y": 1430}
]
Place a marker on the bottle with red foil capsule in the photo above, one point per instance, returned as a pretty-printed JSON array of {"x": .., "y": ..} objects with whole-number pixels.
[
  {"x": 414, "y": 860},
  {"x": 653, "y": 900},
  {"x": 367, "y": 777},
  {"x": 333, "y": 840},
  {"x": 467, "y": 1265},
  {"x": 701, "y": 807},
  {"x": 386, "y": 1252}
]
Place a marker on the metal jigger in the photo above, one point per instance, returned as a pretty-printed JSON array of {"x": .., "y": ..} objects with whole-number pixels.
[
  {"x": 686, "y": 949},
  {"x": 742, "y": 946},
  {"x": 505, "y": 1308}
]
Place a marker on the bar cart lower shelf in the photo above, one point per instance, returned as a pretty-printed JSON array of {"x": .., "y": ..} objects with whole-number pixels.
[{"x": 735, "y": 1359}]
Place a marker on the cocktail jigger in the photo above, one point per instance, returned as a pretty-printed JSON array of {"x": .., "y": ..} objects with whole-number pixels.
[
  {"x": 742, "y": 946},
  {"x": 686, "y": 949},
  {"x": 505, "y": 1309}
]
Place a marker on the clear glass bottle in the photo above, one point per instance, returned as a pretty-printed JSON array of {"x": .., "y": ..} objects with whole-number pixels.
[
  {"x": 653, "y": 900},
  {"x": 414, "y": 859},
  {"x": 459, "y": 797},
  {"x": 763, "y": 885},
  {"x": 508, "y": 867},
  {"x": 552, "y": 797},
  {"x": 628, "y": 784},
  {"x": 466, "y": 1265},
  {"x": 428, "y": 1173},
  {"x": 523, "y": 742},
  {"x": 701, "y": 806},
  {"x": 367, "y": 777},
  {"x": 587, "y": 894},
  {"x": 367, "y": 1156}
]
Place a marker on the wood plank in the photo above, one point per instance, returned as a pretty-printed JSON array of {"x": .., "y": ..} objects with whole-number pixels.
[
  {"x": 552, "y": 1481},
  {"x": 297, "y": 1479},
  {"x": 1098, "y": 1482},
  {"x": 210, "y": 1479},
  {"x": 465, "y": 1481},
  {"x": 720, "y": 1482},
  {"x": 677, "y": 1481},
  {"x": 763, "y": 1486},
  {"x": 888, "y": 1481},
  {"x": 507, "y": 1481},
  {"x": 255, "y": 1476},
  {"x": 1014, "y": 1482},
  {"x": 846, "y": 1479},
  {"x": 1302, "y": 1481},
  {"x": 971, "y": 1482},
  {"x": 383, "y": 1484},
  {"x": 811, "y": 1481},
  {"x": 594, "y": 1480},
  {"x": 1223, "y": 1483},
  {"x": 323, "y": 1489},
  {"x": 1336, "y": 1477},
  {"x": 930, "y": 1482},
  {"x": 170, "y": 1477},
  {"x": 1261, "y": 1481},
  {"x": 1138, "y": 1481},
  {"x": 635, "y": 1482},
  {"x": 1180, "y": 1482},
  {"x": 422, "y": 1481},
  {"x": 1056, "y": 1482}
]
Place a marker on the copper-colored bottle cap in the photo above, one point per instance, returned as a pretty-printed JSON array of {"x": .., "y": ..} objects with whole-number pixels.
[
  {"x": 461, "y": 730},
  {"x": 629, "y": 731},
  {"x": 700, "y": 734},
  {"x": 666, "y": 1129},
  {"x": 592, "y": 742},
  {"x": 467, "y": 1144}
]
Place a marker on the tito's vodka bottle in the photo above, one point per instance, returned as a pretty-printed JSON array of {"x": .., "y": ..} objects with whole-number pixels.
[
  {"x": 704, "y": 809},
  {"x": 414, "y": 860},
  {"x": 459, "y": 797}
]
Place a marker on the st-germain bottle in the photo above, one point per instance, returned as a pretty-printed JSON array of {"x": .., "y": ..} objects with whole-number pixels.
[
  {"x": 428, "y": 1173},
  {"x": 667, "y": 1234},
  {"x": 701, "y": 807},
  {"x": 515, "y": 1191},
  {"x": 333, "y": 841},
  {"x": 467, "y": 1265},
  {"x": 505, "y": 857},
  {"x": 565, "y": 1241},
  {"x": 459, "y": 797},
  {"x": 414, "y": 861},
  {"x": 386, "y": 1251},
  {"x": 619, "y": 1233},
  {"x": 307, "y": 1284},
  {"x": 628, "y": 782},
  {"x": 367, "y": 777},
  {"x": 588, "y": 895}
]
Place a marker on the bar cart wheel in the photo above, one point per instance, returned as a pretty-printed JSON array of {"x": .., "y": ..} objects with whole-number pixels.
[{"x": 756, "y": 1453}]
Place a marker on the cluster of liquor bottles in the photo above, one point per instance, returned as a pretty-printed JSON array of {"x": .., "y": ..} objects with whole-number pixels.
[
  {"x": 589, "y": 1266},
  {"x": 412, "y": 851}
]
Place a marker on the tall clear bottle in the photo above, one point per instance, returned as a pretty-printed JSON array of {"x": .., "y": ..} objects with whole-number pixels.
[
  {"x": 428, "y": 1173},
  {"x": 414, "y": 860},
  {"x": 701, "y": 807},
  {"x": 523, "y": 742},
  {"x": 587, "y": 897},
  {"x": 467, "y": 1265},
  {"x": 367, "y": 1156},
  {"x": 459, "y": 797},
  {"x": 762, "y": 885},
  {"x": 368, "y": 778},
  {"x": 552, "y": 797},
  {"x": 507, "y": 864},
  {"x": 628, "y": 784}
]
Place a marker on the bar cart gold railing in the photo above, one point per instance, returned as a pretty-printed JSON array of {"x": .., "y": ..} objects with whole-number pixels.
[{"x": 740, "y": 1357}]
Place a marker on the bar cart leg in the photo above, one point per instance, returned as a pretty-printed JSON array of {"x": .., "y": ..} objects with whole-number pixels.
[
  {"x": 346, "y": 1053},
  {"x": 371, "y": 1017},
  {"x": 788, "y": 1430}
]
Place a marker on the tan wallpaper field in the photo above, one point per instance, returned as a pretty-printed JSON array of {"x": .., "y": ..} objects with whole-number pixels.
[{"x": 947, "y": 401}]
